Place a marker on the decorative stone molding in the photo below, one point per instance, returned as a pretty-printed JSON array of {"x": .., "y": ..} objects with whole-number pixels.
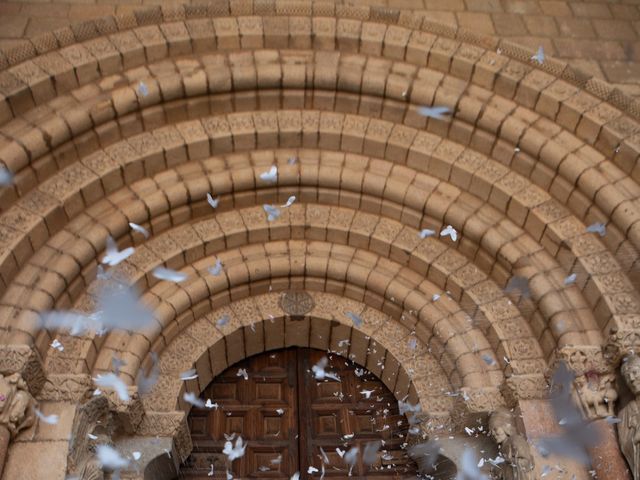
[
  {"x": 66, "y": 387},
  {"x": 168, "y": 424},
  {"x": 23, "y": 360}
]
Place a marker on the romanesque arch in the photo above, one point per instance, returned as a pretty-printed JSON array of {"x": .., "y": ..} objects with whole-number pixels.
[{"x": 136, "y": 118}]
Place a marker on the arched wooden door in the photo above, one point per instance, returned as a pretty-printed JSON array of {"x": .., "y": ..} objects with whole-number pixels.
[{"x": 292, "y": 422}]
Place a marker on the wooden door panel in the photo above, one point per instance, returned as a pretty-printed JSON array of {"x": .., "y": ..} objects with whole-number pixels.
[{"x": 290, "y": 421}]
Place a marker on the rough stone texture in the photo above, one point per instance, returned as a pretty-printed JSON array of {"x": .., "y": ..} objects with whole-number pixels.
[{"x": 137, "y": 117}]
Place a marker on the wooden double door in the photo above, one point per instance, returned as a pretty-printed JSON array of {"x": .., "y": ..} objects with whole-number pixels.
[{"x": 292, "y": 422}]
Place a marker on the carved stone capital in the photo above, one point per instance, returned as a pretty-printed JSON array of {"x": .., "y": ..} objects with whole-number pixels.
[
  {"x": 525, "y": 387},
  {"x": 584, "y": 359},
  {"x": 16, "y": 404},
  {"x": 23, "y": 359}
]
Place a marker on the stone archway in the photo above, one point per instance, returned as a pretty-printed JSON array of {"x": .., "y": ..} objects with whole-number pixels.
[{"x": 136, "y": 119}]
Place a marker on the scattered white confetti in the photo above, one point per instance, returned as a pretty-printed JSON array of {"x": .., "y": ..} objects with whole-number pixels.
[
  {"x": 273, "y": 212},
  {"x": 295, "y": 476},
  {"x": 356, "y": 319},
  {"x": 320, "y": 373},
  {"x": 451, "y": 232},
  {"x": 57, "y": 345},
  {"x": 277, "y": 460},
  {"x": 292, "y": 160},
  {"x": 111, "y": 382},
  {"x": 216, "y": 269},
  {"x": 48, "y": 419},
  {"x": 242, "y": 372},
  {"x": 209, "y": 404},
  {"x": 190, "y": 374},
  {"x": 612, "y": 420},
  {"x": 599, "y": 228},
  {"x": 435, "y": 297},
  {"x": 280, "y": 411},
  {"x": 6, "y": 177},
  {"x": 439, "y": 113},
  {"x": 143, "y": 89},
  {"x": 115, "y": 256},
  {"x": 211, "y": 472},
  {"x": 312, "y": 469},
  {"x": 290, "y": 201},
  {"x": 271, "y": 175},
  {"x": 137, "y": 228},
  {"x": 213, "y": 201},
  {"x": 539, "y": 56},
  {"x": 234, "y": 451},
  {"x": 136, "y": 455},
  {"x": 162, "y": 273},
  {"x": 570, "y": 279},
  {"x": 413, "y": 343},
  {"x": 427, "y": 232},
  {"x": 191, "y": 398}
]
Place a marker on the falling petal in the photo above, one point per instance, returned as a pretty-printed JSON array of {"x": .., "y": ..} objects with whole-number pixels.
[
  {"x": 110, "y": 458},
  {"x": 190, "y": 374},
  {"x": 192, "y": 399},
  {"x": 599, "y": 228},
  {"x": 570, "y": 279},
  {"x": 143, "y": 89},
  {"x": 356, "y": 319},
  {"x": 114, "y": 256},
  {"x": 271, "y": 175},
  {"x": 213, "y": 201},
  {"x": 169, "y": 275},
  {"x": 272, "y": 212},
  {"x": 439, "y": 113},
  {"x": 111, "y": 382},
  {"x": 539, "y": 56},
  {"x": 137, "y": 228},
  {"x": 290, "y": 201},
  {"x": 427, "y": 232},
  {"x": 223, "y": 320},
  {"x": 451, "y": 232},
  {"x": 48, "y": 419},
  {"x": 216, "y": 269},
  {"x": 6, "y": 177}
]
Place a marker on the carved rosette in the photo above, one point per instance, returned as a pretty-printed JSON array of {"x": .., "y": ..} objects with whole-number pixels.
[{"x": 296, "y": 303}]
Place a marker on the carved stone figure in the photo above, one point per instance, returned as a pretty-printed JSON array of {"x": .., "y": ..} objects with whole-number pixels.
[
  {"x": 519, "y": 464},
  {"x": 16, "y": 404},
  {"x": 629, "y": 414},
  {"x": 596, "y": 394}
]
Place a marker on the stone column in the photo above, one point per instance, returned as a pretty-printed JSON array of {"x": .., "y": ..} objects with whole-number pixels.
[
  {"x": 17, "y": 411},
  {"x": 606, "y": 458},
  {"x": 539, "y": 421},
  {"x": 5, "y": 437}
]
